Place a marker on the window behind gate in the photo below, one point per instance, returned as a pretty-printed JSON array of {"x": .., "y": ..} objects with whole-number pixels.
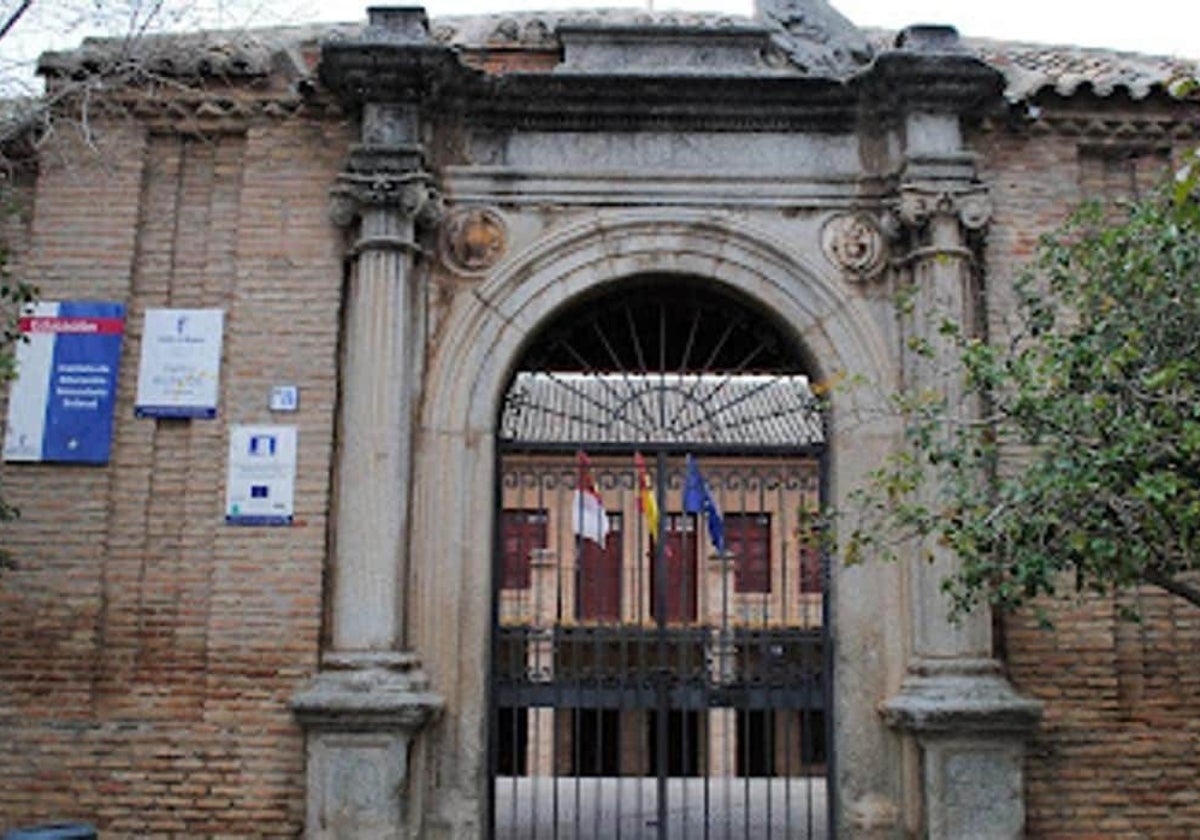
[
  {"x": 748, "y": 537},
  {"x": 521, "y": 533}
]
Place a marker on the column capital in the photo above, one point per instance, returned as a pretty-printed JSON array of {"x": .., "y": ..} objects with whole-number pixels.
[
  {"x": 410, "y": 195},
  {"x": 969, "y": 204},
  {"x": 385, "y": 178}
]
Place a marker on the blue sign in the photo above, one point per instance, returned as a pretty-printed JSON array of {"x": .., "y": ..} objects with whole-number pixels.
[{"x": 61, "y": 404}]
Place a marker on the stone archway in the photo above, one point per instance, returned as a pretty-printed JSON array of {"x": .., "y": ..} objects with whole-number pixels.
[{"x": 479, "y": 342}]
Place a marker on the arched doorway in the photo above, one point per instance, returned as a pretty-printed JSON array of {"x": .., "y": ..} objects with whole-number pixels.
[{"x": 661, "y": 661}]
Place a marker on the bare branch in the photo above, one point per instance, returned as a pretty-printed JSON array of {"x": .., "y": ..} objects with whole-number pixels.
[{"x": 16, "y": 15}]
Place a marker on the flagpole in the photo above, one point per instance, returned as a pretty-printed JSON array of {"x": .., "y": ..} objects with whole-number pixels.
[{"x": 662, "y": 743}]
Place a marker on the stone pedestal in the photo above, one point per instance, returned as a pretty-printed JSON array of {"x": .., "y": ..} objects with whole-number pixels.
[
  {"x": 971, "y": 728},
  {"x": 361, "y": 713}
]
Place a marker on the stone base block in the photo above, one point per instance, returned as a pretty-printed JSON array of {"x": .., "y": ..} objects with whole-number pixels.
[
  {"x": 973, "y": 788},
  {"x": 361, "y": 714},
  {"x": 971, "y": 727}
]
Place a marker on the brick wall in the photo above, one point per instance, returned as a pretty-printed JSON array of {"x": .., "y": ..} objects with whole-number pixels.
[
  {"x": 1118, "y": 753},
  {"x": 149, "y": 650}
]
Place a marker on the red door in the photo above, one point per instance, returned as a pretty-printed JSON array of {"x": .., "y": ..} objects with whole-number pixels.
[
  {"x": 679, "y": 560},
  {"x": 599, "y": 590}
]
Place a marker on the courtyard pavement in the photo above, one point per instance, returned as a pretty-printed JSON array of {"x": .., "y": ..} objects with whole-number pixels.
[{"x": 627, "y": 809}]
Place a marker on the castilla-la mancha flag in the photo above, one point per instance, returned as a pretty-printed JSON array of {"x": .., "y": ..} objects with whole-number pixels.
[{"x": 587, "y": 509}]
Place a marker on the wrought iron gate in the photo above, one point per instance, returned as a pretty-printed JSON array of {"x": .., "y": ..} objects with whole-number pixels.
[{"x": 660, "y": 657}]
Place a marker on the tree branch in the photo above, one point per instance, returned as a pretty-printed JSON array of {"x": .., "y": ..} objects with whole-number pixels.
[
  {"x": 16, "y": 15},
  {"x": 1162, "y": 580}
]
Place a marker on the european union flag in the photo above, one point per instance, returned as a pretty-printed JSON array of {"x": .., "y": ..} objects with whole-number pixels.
[{"x": 698, "y": 499}]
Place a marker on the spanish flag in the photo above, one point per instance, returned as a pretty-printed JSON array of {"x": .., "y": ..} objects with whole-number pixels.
[{"x": 647, "y": 503}]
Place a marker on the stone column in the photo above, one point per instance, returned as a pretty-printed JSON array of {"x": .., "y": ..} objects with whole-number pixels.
[
  {"x": 539, "y": 657},
  {"x": 378, "y": 381},
  {"x": 968, "y": 721},
  {"x": 943, "y": 289},
  {"x": 721, "y": 757},
  {"x": 371, "y": 698}
]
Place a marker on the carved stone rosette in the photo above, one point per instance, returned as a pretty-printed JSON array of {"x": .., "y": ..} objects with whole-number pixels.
[
  {"x": 472, "y": 240},
  {"x": 854, "y": 242}
]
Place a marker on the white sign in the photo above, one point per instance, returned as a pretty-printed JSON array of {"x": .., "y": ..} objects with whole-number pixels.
[
  {"x": 181, "y": 363},
  {"x": 262, "y": 475},
  {"x": 285, "y": 398}
]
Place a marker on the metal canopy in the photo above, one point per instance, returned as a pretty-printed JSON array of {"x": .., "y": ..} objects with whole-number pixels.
[
  {"x": 754, "y": 410},
  {"x": 665, "y": 361}
]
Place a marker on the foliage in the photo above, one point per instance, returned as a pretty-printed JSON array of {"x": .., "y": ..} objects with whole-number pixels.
[
  {"x": 1081, "y": 468},
  {"x": 14, "y": 294},
  {"x": 1187, "y": 173}
]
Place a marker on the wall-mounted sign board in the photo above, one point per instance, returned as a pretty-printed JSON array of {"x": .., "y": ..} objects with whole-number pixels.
[
  {"x": 60, "y": 407},
  {"x": 180, "y": 367},
  {"x": 285, "y": 398},
  {"x": 262, "y": 475}
]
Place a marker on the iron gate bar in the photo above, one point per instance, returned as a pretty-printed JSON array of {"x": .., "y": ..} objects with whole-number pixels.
[
  {"x": 827, "y": 619},
  {"x": 661, "y": 733},
  {"x": 764, "y": 686}
]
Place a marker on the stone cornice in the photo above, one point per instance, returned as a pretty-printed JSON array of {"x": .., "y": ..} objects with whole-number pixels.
[
  {"x": 595, "y": 92},
  {"x": 961, "y": 698},
  {"x": 202, "y": 112},
  {"x": 897, "y": 83},
  {"x": 1115, "y": 126},
  {"x": 622, "y": 102}
]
